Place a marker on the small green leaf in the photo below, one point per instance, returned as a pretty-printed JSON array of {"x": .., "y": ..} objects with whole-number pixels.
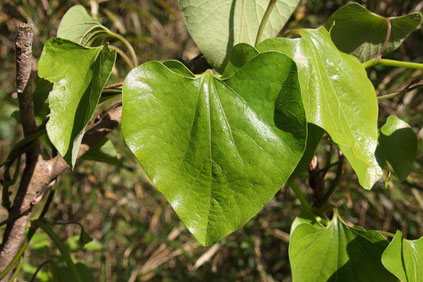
[
  {"x": 104, "y": 151},
  {"x": 78, "y": 26},
  {"x": 404, "y": 258},
  {"x": 397, "y": 146},
  {"x": 79, "y": 75},
  {"x": 337, "y": 253},
  {"x": 218, "y": 149},
  {"x": 337, "y": 96},
  {"x": 216, "y": 26},
  {"x": 357, "y": 31}
]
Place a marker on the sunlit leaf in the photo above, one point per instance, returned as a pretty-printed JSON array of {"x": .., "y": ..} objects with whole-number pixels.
[
  {"x": 404, "y": 258},
  {"x": 397, "y": 146},
  {"x": 216, "y": 26},
  {"x": 357, "y": 31},
  {"x": 79, "y": 75},
  {"x": 337, "y": 96},
  {"x": 218, "y": 149},
  {"x": 78, "y": 26},
  {"x": 337, "y": 253}
]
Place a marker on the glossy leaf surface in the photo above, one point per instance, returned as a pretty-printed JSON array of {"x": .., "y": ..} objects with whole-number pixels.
[
  {"x": 218, "y": 149},
  {"x": 404, "y": 258},
  {"x": 337, "y": 253},
  {"x": 78, "y": 26},
  {"x": 216, "y": 26},
  {"x": 397, "y": 146},
  {"x": 337, "y": 96},
  {"x": 357, "y": 31},
  {"x": 79, "y": 75}
]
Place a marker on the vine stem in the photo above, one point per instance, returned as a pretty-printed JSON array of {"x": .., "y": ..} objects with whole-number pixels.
[
  {"x": 127, "y": 44},
  {"x": 392, "y": 63},
  {"x": 304, "y": 203},
  {"x": 123, "y": 55},
  {"x": 264, "y": 20}
]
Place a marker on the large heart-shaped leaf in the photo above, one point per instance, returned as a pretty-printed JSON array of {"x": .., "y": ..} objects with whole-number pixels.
[
  {"x": 404, "y": 258},
  {"x": 218, "y": 25},
  {"x": 337, "y": 253},
  {"x": 79, "y": 75},
  {"x": 240, "y": 55},
  {"x": 357, "y": 31},
  {"x": 337, "y": 96},
  {"x": 218, "y": 149},
  {"x": 397, "y": 146}
]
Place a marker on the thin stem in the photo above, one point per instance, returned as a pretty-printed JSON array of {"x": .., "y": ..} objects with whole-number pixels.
[
  {"x": 388, "y": 36},
  {"x": 123, "y": 55},
  {"x": 392, "y": 63},
  {"x": 408, "y": 88},
  {"x": 334, "y": 182},
  {"x": 304, "y": 203},
  {"x": 264, "y": 20},
  {"x": 18, "y": 269},
  {"x": 127, "y": 44},
  {"x": 114, "y": 85},
  {"x": 38, "y": 270},
  {"x": 391, "y": 95},
  {"x": 388, "y": 234}
]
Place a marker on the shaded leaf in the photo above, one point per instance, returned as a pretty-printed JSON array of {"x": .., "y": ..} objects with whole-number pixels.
[
  {"x": 404, "y": 258},
  {"x": 218, "y": 149},
  {"x": 104, "y": 151},
  {"x": 216, "y": 26},
  {"x": 79, "y": 75},
  {"x": 78, "y": 26},
  {"x": 337, "y": 96},
  {"x": 337, "y": 253},
  {"x": 397, "y": 146},
  {"x": 357, "y": 31}
]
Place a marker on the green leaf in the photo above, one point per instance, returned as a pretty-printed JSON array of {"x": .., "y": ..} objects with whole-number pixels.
[
  {"x": 78, "y": 26},
  {"x": 216, "y": 26},
  {"x": 397, "y": 146},
  {"x": 404, "y": 258},
  {"x": 104, "y": 151},
  {"x": 218, "y": 149},
  {"x": 79, "y": 75},
  {"x": 337, "y": 96},
  {"x": 337, "y": 253},
  {"x": 357, "y": 31}
]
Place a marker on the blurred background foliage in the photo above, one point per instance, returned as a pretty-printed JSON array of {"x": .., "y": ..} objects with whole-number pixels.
[{"x": 137, "y": 236}]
